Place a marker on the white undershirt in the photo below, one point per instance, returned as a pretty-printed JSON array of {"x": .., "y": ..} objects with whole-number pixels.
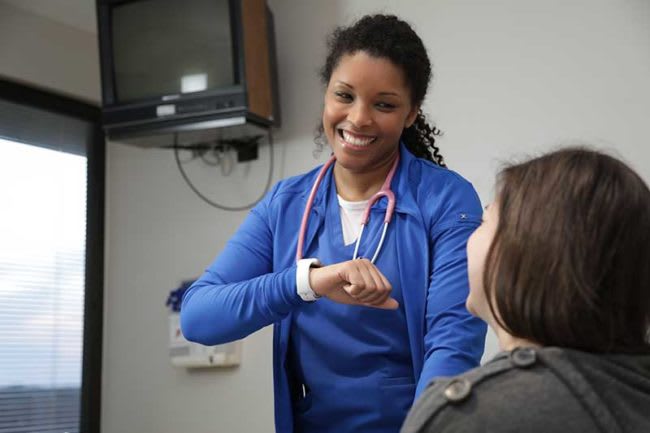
[{"x": 351, "y": 213}]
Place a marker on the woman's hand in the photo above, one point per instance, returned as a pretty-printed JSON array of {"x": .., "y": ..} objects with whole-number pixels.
[{"x": 356, "y": 282}]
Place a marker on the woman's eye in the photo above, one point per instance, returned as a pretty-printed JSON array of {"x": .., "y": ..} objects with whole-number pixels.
[
  {"x": 385, "y": 106},
  {"x": 343, "y": 95}
]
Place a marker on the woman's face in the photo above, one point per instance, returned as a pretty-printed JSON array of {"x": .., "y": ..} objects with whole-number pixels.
[
  {"x": 477, "y": 248},
  {"x": 367, "y": 106}
]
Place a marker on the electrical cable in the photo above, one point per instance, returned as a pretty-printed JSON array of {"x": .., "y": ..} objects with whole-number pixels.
[
  {"x": 212, "y": 150},
  {"x": 227, "y": 162},
  {"x": 191, "y": 158},
  {"x": 213, "y": 203}
]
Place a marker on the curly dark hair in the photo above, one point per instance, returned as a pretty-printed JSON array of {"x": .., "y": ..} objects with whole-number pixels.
[{"x": 387, "y": 36}]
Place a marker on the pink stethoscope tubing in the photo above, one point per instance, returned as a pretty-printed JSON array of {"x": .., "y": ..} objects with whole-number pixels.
[{"x": 385, "y": 191}]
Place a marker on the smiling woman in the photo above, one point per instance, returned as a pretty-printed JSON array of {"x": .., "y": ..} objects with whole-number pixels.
[{"x": 355, "y": 339}]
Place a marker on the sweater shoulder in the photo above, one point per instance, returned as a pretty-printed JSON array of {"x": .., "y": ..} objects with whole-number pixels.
[{"x": 522, "y": 390}]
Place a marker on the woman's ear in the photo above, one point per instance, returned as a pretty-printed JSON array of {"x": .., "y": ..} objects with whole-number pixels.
[{"x": 413, "y": 114}]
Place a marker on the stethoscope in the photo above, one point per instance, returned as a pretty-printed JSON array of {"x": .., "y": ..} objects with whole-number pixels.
[{"x": 385, "y": 191}]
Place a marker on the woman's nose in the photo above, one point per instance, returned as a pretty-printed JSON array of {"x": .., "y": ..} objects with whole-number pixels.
[{"x": 360, "y": 115}]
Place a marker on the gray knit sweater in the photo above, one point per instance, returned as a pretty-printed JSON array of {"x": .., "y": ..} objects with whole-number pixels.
[{"x": 540, "y": 390}]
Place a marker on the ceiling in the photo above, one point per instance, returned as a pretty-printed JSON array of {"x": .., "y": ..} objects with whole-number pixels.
[{"x": 79, "y": 14}]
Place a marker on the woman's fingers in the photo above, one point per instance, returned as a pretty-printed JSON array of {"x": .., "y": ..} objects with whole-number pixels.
[
  {"x": 382, "y": 295},
  {"x": 374, "y": 295},
  {"x": 388, "y": 304},
  {"x": 353, "y": 282},
  {"x": 367, "y": 285},
  {"x": 342, "y": 297},
  {"x": 360, "y": 277}
]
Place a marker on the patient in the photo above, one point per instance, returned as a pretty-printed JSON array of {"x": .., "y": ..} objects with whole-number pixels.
[{"x": 560, "y": 269}]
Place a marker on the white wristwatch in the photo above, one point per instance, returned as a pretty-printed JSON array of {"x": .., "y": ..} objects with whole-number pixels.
[{"x": 302, "y": 279}]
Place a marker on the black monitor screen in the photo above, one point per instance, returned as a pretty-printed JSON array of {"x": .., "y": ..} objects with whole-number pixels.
[{"x": 168, "y": 47}]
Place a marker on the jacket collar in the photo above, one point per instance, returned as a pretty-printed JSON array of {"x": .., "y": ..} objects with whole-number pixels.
[{"x": 404, "y": 200}]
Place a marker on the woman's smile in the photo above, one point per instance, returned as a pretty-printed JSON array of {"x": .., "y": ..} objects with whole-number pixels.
[{"x": 355, "y": 141}]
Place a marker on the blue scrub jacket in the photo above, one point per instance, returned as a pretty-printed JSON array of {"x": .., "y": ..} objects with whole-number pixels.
[{"x": 252, "y": 283}]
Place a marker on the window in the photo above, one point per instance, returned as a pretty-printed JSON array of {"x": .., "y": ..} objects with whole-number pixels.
[
  {"x": 51, "y": 182},
  {"x": 42, "y": 258}
]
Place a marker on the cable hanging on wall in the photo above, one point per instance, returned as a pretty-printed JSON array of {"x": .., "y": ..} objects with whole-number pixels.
[{"x": 218, "y": 150}]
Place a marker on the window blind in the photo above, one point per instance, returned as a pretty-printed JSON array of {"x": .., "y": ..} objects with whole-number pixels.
[{"x": 42, "y": 261}]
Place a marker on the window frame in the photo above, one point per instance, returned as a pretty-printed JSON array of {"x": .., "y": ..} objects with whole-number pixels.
[{"x": 91, "y": 377}]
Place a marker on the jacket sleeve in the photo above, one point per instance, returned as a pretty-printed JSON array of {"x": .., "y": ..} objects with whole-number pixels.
[
  {"x": 239, "y": 294},
  {"x": 453, "y": 339}
]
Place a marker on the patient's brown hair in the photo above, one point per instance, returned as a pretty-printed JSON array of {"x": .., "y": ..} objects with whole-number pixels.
[{"x": 569, "y": 265}]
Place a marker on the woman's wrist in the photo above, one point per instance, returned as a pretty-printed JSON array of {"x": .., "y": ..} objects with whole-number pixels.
[
  {"x": 314, "y": 281},
  {"x": 322, "y": 280}
]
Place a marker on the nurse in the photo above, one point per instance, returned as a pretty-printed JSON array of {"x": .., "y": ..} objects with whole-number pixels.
[{"x": 361, "y": 327}]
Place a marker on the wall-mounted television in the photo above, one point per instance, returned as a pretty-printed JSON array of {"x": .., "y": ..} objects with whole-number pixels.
[{"x": 178, "y": 65}]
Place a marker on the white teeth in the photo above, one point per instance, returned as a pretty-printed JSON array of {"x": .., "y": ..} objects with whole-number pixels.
[{"x": 357, "y": 141}]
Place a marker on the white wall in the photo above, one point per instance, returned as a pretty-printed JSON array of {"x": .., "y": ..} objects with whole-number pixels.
[
  {"x": 46, "y": 54},
  {"x": 512, "y": 77}
]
